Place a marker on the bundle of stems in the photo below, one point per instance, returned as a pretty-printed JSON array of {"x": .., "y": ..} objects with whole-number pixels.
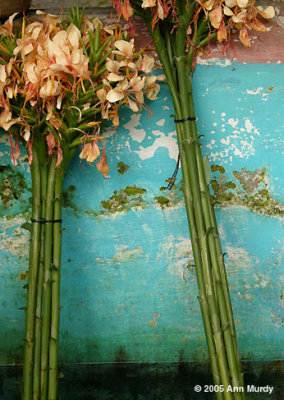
[
  {"x": 180, "y": 29},
  {"x": 59, "y": 81},
  {"x": 214, "y": 298},
  {"x": 43, "y": 302}
]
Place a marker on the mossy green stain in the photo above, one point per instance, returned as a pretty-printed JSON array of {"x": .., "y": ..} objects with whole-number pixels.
[
  {"x": 12, "y": 188},
  {"x": 134, "y": 190},
  {"x": 250, "y": 190},
  {"x": 68, "y": 197},
  {"x": 124, "y": 200},
  {"x": 163, "y": 201},
  {"x": 217, "y": 168},
  {"x": 12, "y": 184},
  {"x": 91, "y": 213},
  {"x": 22, "y": 276},
  {"x": 170, "y": 198},
  {"x": 122, "y": 167}
]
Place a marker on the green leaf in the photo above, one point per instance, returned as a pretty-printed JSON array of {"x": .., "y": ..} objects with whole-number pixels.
[
  {"x": 97, "y": 38},
  {"x": 27, "y": 226},
  {"x": 60, "y": 375}
]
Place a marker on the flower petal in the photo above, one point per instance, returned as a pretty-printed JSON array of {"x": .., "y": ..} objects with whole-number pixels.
[
  {"x": 126, "y": 48},
  {"x": 102, "y": 164},
  {"x": 74, "y": 35},
  {"x": 244, "y": 37},
  {"x": 114, "y": 77},
  {"x": 228, "y": 11},
  {"x": 231, "y": 3},
  {"x": 268, "y": 13},
  {"x": 113, "y": 96},
  {"x": 215, "y": 17},
  {"x": 242, "y": 3}
]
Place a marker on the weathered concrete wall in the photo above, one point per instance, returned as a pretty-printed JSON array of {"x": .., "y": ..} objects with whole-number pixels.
[{"x": 128, "y": 285}]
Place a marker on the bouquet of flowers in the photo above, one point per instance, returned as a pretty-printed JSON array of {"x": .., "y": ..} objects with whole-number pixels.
[
  {"x": 180, "y": 29},
  {"x": 59, "y": 80}
]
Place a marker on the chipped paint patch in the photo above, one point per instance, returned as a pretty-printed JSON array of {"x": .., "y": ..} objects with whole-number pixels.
[
  {"x": 255, "y": 91},
  {"x": 238, "y": 258},
  {"x": 233, "y": 122},
  {"x": 249, "y": 126},
  {"x": 179, "y": 255},
  {"x": 124, "y": 254},
  {"x": 161, "y": 122},
  {"x": 214, "y": 61},
  {"x": 138, "y": 135},
  {"x": 167, "y": 141}
]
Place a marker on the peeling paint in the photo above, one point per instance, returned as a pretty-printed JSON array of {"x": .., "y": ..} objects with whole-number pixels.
[
  {"x": 124, "y": 254},
  {"x": 255, "y": 91},
  {"x": 168, "y": 141},
  {"x": 161, "y": 122},
  {"x": 179, "y": 255},
  {"x": 214, "y": 61},
  {"x": 138, "y": 135}
]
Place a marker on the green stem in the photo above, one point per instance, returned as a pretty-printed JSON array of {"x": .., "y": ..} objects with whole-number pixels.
[
  {"x": 189, "y": 168},
  {"x": 188, "y": 146},
  {"x": 199, "y": 270},
  {"x": 215, "y": 293},
  {"x": 55, "y": 289},
  {"x": 55, "y": 273},
  {"x": 166, "y": 63},
  {"x": 226, "y": 290},
  {"x": 216, "y": 283},
  {"x": 168, "y": 41},
  {"x": 211, "y": 275},
  {"x": 38, "y": 323},
  {"x": 32, "y": 280},
  {"x": 47, "y": 279},
  {"x": 217, "y": 262},
  {"x": 197, "y": 43}
]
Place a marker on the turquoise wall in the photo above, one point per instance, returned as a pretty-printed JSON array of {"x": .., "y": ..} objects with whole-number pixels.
[{"x": 129, "y": 291}]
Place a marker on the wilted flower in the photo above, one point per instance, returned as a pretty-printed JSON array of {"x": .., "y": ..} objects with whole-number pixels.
[
  {"x": 222, "y": 15},
  {"x": 90, "y": 152},
  {"x": 102, "y": 165},
  {"x": 6, "y": 120},
  {"x": 51, "y": 143}
]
